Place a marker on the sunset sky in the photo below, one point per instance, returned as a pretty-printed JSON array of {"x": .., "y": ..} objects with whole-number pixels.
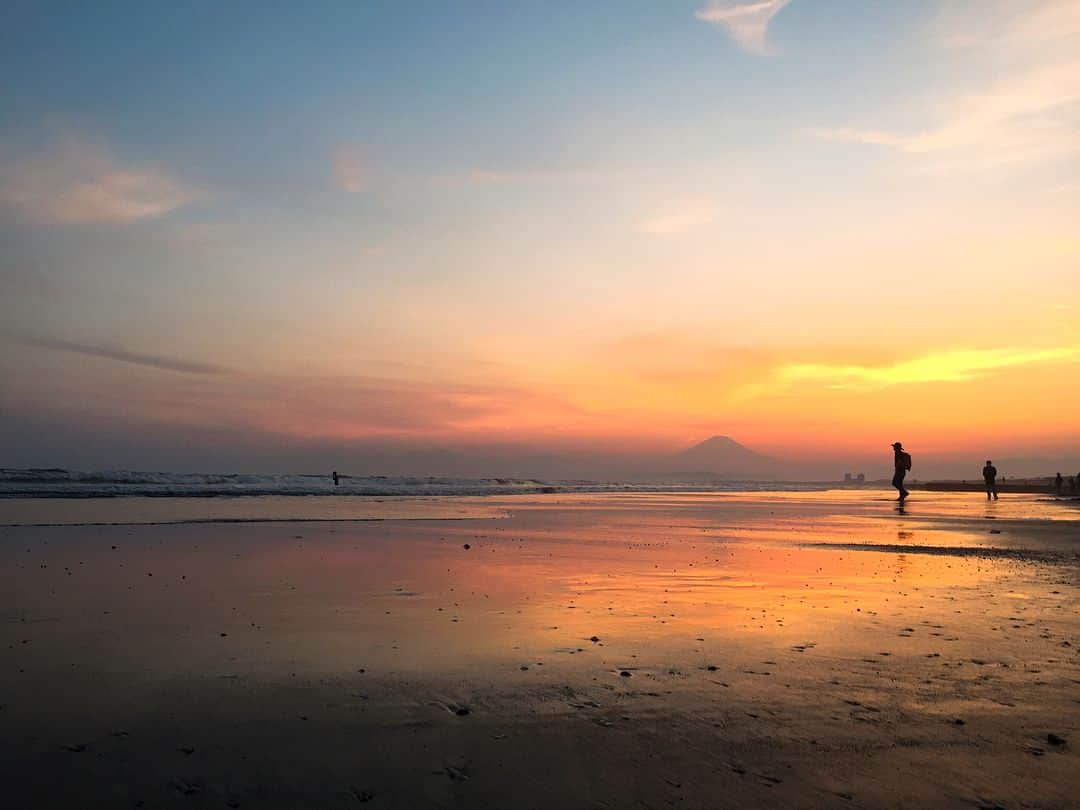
[{"x": 234, "y": 238}]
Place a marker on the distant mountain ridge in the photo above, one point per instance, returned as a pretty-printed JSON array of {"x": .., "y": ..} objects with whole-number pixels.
[{"x": 724, "y": 457}]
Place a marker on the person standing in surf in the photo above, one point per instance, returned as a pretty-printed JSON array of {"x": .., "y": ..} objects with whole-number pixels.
[{"x": 902, "y": 463}]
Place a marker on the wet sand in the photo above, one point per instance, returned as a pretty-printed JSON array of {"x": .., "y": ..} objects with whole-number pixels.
[{"x": 785, "y": 650}]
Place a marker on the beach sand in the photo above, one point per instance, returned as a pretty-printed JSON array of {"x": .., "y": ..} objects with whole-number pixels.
[{"x": 594, "y": 651}]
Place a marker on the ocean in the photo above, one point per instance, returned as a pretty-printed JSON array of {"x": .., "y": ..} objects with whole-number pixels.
[{"x": 61, "y": 483}]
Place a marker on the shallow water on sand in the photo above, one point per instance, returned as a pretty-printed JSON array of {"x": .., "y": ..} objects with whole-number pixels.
[
  {"x": 125, "y": 511},
  {"x": 748, "y": 635},
  {"x": 856, "y": 504}
]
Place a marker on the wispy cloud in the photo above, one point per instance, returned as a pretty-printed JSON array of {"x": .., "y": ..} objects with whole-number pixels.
[
  {"x": 124, "y": 356},
  {"x": 679, "y": 216},
  {"x": 296, "y": 405},
  {"x": 1023, "y": 119},
  {"x": 746, "y": 23},
  {"x": 1027, "y": 114},
  {"x": 848, "y": 135},
  {"x": 75, "y": 180},
  {"x": 540, "y": 177},
  {"x": 1006, "y": 25},
  {"x": 958, "y": 365},
  {"x": 350, "y": 169}
]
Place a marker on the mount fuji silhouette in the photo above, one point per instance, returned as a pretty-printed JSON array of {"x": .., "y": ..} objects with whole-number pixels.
[{"x": 724, "y": 457}]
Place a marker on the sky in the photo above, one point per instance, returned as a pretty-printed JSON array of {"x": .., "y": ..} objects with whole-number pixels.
[{"x": 237, "y": 236}]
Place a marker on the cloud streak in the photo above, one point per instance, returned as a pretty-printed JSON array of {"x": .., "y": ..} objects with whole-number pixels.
[
  {"x": 679, "y": 217},
  {"x": 298, "y": 407},
  {"x": 124, "y": 356},
  {"x": 746, "y": 23},
  {"x": 78, "y": 181},
  {"x": 872, "y": 137},
  {"x": 958, "y": 365},
  {"x": 1007, "y": 26},
  {"x": 1026, "y": 115},
  {"x": 1026, "y": 118}
]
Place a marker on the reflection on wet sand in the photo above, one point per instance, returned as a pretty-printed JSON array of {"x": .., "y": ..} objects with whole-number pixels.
[{"x": 790, "y": 649}]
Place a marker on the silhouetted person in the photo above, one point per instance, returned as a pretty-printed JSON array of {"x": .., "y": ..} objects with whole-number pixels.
[
  {"x": 902, "y": 463},
  {"x": 990, "y": 477},
  {"x": 335, "y": 475},
  {"x": 1058, "y": 481}
]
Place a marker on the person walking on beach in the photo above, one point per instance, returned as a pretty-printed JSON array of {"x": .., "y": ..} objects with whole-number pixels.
[
  {"x": 990, "y": 477},
  {"x": 902, "y": 463},
  {"x": 335, "y": 477},
  {"x": 1057, "y": 483}
]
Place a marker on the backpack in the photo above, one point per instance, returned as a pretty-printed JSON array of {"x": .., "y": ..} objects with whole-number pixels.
[{"x": 905, "y": 460}]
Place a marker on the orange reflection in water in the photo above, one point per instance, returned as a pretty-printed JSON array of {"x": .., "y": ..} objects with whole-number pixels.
[{"x": 661, "y": 581}]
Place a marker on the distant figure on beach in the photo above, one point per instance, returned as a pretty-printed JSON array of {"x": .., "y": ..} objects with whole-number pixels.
[
  {"x": 990, "y": 477},
  {"x": 1058, "y": 481},
  {"x": 335, "y": 476},
  {"x": 902, "y": 463}
]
